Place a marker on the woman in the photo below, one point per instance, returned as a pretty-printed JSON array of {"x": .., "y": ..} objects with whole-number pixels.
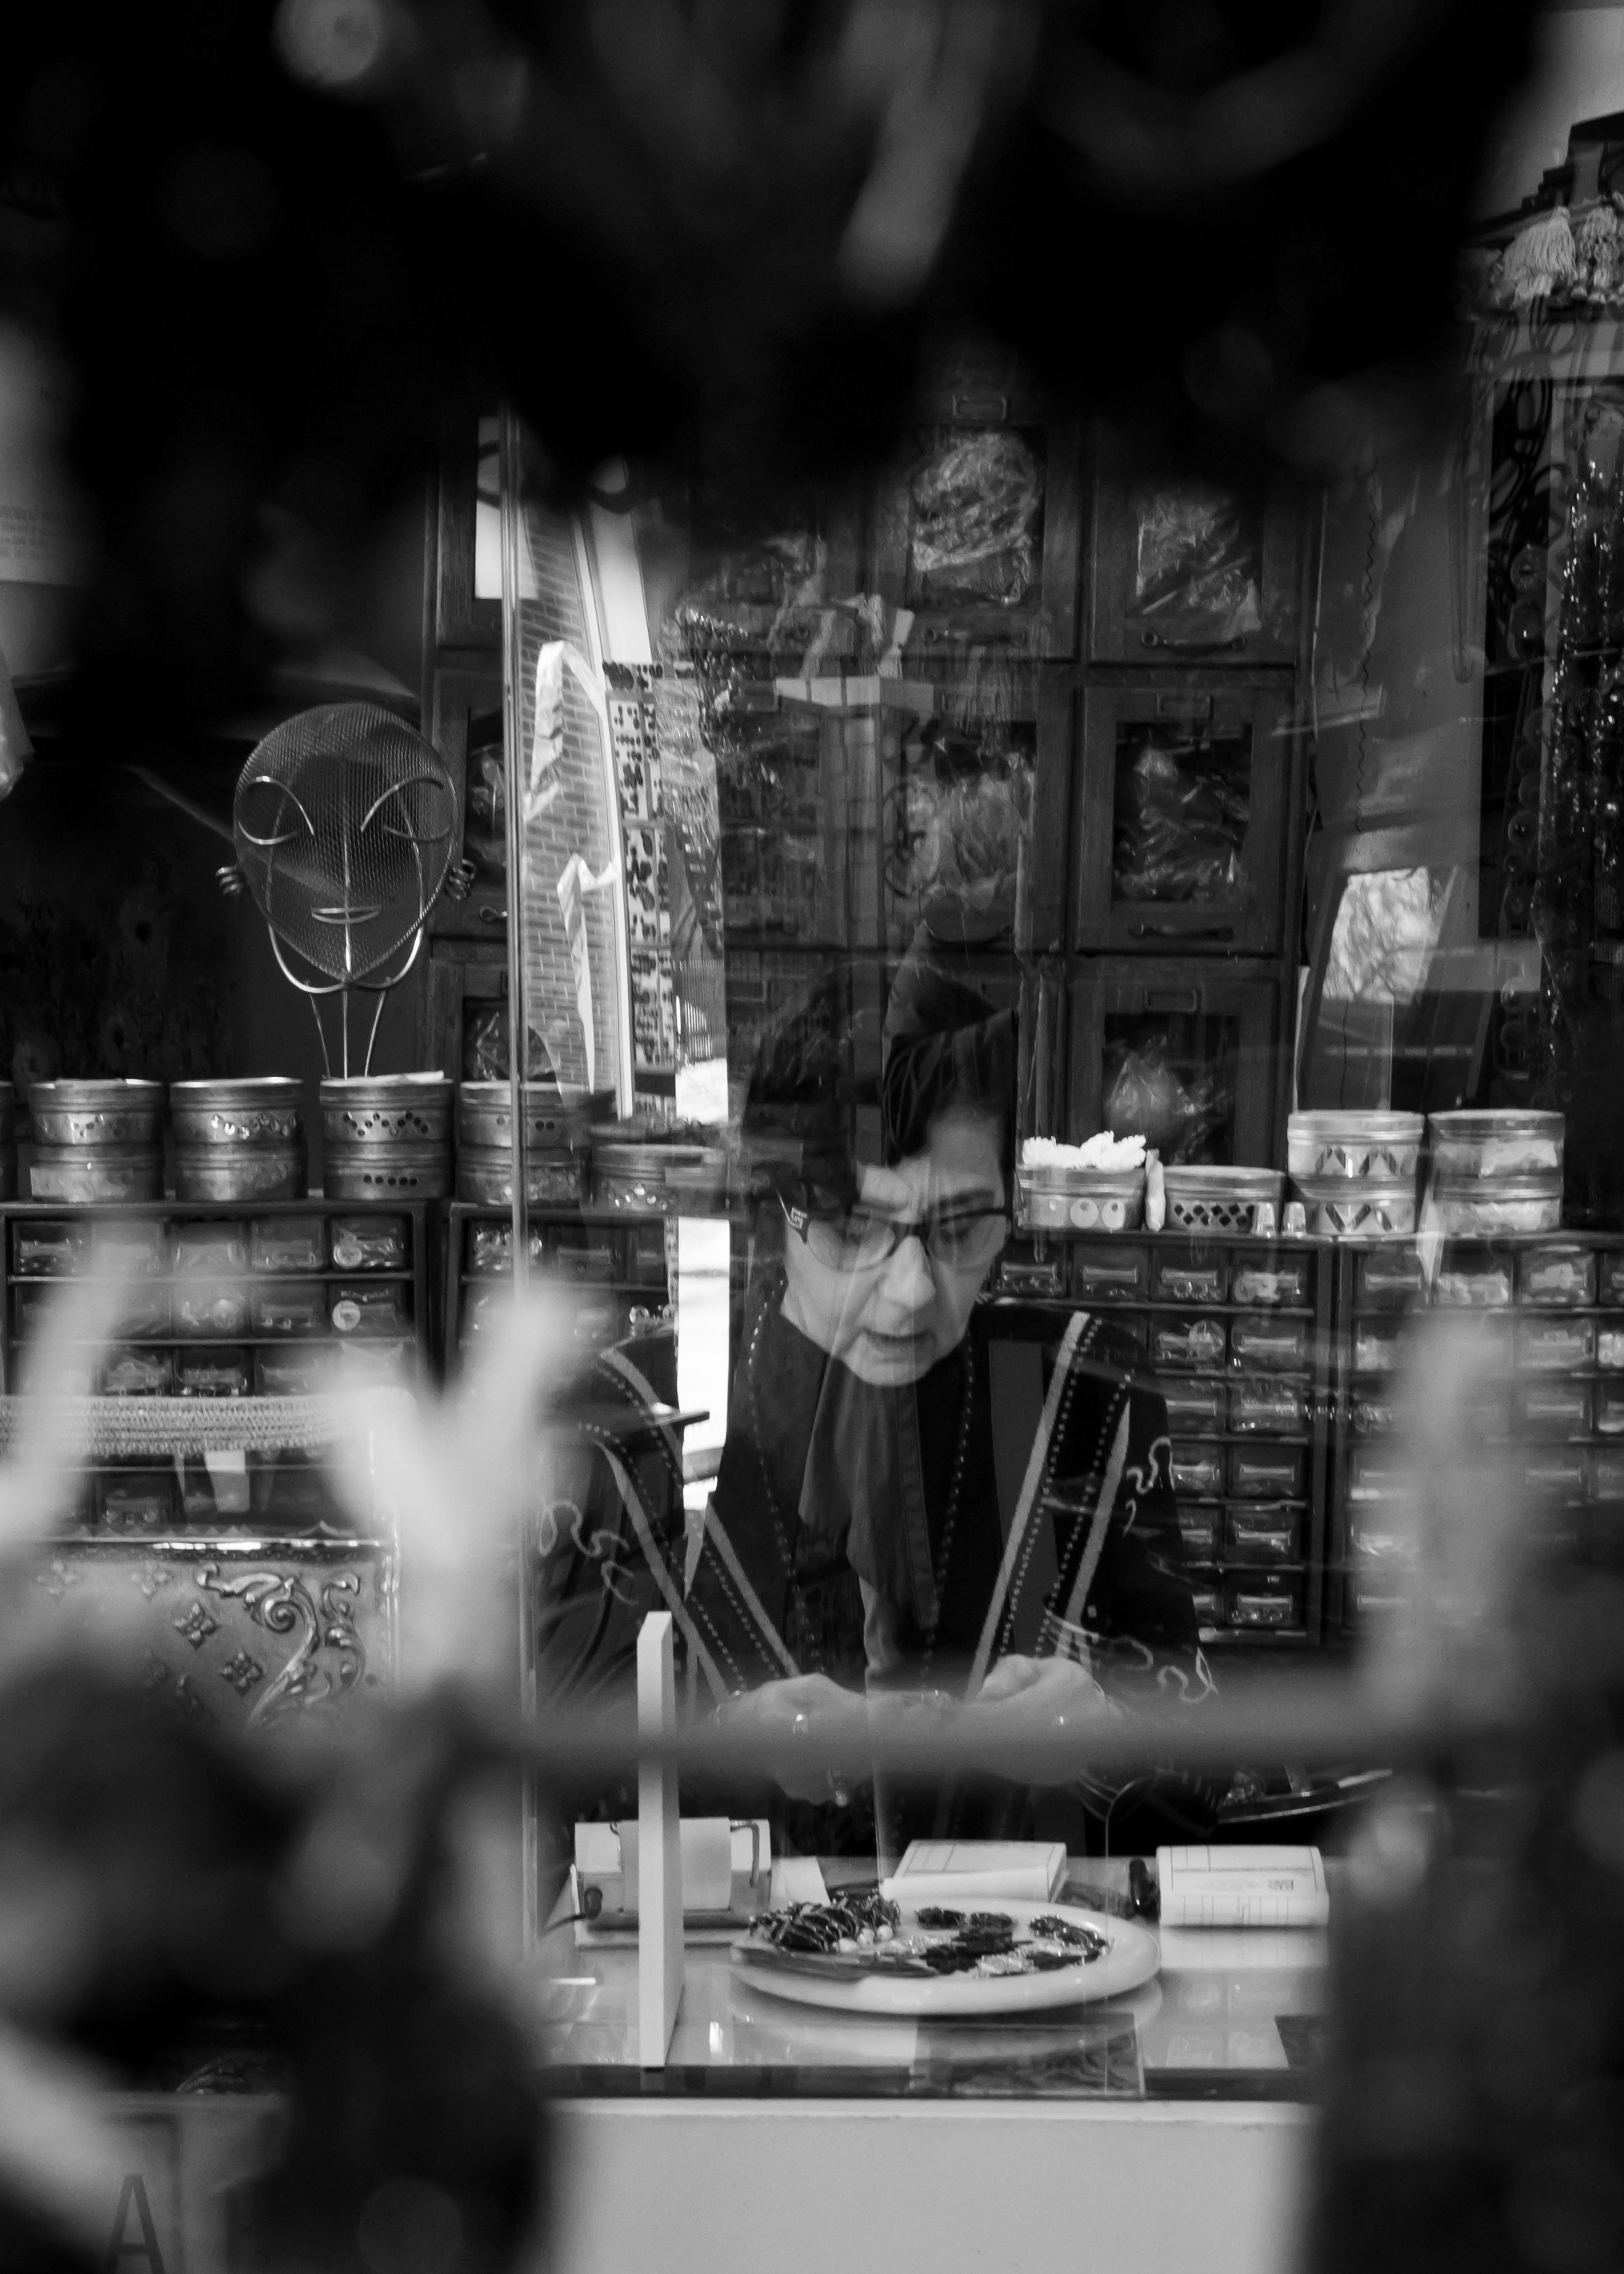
[{"x": 917, "y": 1493}]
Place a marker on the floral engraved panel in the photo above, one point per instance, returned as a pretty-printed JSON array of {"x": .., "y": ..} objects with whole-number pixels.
[
  {"x": 195, "y": 1626},
  {"x": 242, "y": 1672},
  {"x": 327, "y": 1659}
]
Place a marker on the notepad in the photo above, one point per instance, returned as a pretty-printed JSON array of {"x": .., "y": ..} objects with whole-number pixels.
[
  {"x": 1243, "y": 1886},
  {"x": 971, "y": 1871}
]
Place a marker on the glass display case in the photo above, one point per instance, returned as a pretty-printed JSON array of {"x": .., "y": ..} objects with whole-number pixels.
[
  {"x": 1189, "y": 569},
  {"x": 1188, "y": 805}
]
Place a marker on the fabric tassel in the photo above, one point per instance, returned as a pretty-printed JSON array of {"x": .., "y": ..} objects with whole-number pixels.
[
  {"x": 1539, "y": 258},
  {"x": 1596, "y": 252}
]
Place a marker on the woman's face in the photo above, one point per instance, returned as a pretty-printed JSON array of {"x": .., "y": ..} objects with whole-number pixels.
[{"x": 890, "y": 1322}]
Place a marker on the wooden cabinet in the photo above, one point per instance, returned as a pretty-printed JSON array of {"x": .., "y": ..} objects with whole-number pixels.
[
  {"x": 977, "y": 532},
  {"x": 1187, "y": 792},
  {"x": 1187, "y": 570},
  {"x": 1183, "y": 1052}
]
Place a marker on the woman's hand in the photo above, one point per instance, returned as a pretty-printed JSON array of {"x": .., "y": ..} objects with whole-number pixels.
[
  {"x": 1041, "y": 1695},
  {"x": 788, "y": 1715}
]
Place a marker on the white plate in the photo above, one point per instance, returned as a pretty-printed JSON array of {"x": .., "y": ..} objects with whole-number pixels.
[{"x": 1133, "y": 1957}]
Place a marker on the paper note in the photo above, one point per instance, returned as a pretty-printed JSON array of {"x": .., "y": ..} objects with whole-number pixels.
[
  {"x": 1243, "y": 1886},
  {"x": 962, "y": 1870}
]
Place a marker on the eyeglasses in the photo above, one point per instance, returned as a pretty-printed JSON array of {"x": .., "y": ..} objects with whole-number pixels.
[{"x": 861, "y": 1239}]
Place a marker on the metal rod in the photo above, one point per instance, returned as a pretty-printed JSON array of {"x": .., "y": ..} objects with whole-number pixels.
[
  {"x": 372, "y": 1036},
  {"x": 1323, "y": 1720},
  {"x": 511, "y": 474},
  {"x": 321, "y": 1036}
]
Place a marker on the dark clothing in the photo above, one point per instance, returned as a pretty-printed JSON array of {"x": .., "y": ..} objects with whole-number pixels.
[{"x": 1090, "y": 1533}]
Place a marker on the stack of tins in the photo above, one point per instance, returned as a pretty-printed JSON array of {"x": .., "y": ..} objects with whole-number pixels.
[
  {"x": 386, "y": 1137},
  {"x": 556, "y": 1130},
  {"x": 238, "y": 1140},
  {"x": 96, "y": 1140}
]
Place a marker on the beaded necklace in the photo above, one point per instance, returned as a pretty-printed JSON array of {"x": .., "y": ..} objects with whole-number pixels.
[{"x": 941, "y": 1561}]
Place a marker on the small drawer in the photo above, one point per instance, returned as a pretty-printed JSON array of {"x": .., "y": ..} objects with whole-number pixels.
[
  {"x": 371, "y": 1243},
  {"x": 1610, "y": 1345},
  {"x": 1610, "y": 1409},
  {"x": 138, "y": 1373},
  {"x": 362, "y": 1310},
  {"x": 1372, "y": 1417},
  {"x": 1555, "y": 1472},
  {"x": 1194, "y": 1408},
  {"x": 294, "y": 1307},
  {"x": 598, "y": 1266},
  {"x": 297, "y": 1372},
  {"x": 288, "y": 1243},
  {"x": 1104, "y": 1272},
  {"x": 367, "y": 1365},
  {"x": 211, "y": 1373},
  {"x": 487, "y": 1250},
  {"x": 1385, "y": 1277},
  {"x": 1472, "y": 1283},
  {"x": 1208, "y": 1602},
  {"x": 645, "y": 1260},
  {"x": 1263, "y": 1535},
  {"x": 1556, "y": 1345},
  {"x": 1376, "y": 1474},
  {"x": 143, "y": 1310},
  {"x": 1197, "y": 1469},
  {"x": 218, "y": 1498},
  {"x": 140, "y": 1251},
  {"x": 290, "y": 1490},
  {"x": 1556, "y": 1276},
  {"x": 1190, "y": 1344},
  {"x": 1020, "y": 1272},
  {"x": 1276, "y": 1408},
  {"x": 1265, "y": 1346},
  {"x": 1276, "y": 1282},
  {"x": 597, "y": 1319},
  {"x": 136, "y": 1503},
  {"x": 1555, "y": 1408},
  {"x": 209, "y": 1251},
  {"x": 1184, "y": 1279},
  {"x": 204, "y": 1307},
  {"x": 1268, "y": 1472},
  {"x": 1264, "y": 1602},
  {"x": 50, "y": 1251},
  {"x": 1610, "y": 1276},
  {"x": 1378, "y": 1548},
  {"x": 1199, "y": 1530},
  {"x": 1605, "y": 1473},
  {"x": 1375, "y": 1346},
  {"x": 482, "y": 1307}
]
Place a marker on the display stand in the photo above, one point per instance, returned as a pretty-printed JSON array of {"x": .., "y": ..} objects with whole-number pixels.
[{"x": 660, "y": 1850}]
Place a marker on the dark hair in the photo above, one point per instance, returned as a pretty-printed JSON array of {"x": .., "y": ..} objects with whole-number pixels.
[{"x": 943, "y": 1046}]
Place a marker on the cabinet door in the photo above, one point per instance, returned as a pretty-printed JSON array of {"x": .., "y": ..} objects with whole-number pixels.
[
  {"x": 1179, "y": 1054},
  {"x": 1182, "y": 819},
  {"x": 975, "y": 776},
  {"x": 466, "y": 728},
  {"x": 1188, "y": 570},
  {"x": 977, "y": 534},
  {"x": 465, "y": 1011}
]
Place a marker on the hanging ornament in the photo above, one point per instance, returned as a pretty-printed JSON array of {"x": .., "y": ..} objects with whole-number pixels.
[
  {"x": 1539, "y": 259},
  {"x": 1599, "y": 252}
]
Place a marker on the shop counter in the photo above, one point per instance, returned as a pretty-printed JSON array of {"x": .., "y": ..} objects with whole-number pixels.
[{"x": 1169, "y": 2127}]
